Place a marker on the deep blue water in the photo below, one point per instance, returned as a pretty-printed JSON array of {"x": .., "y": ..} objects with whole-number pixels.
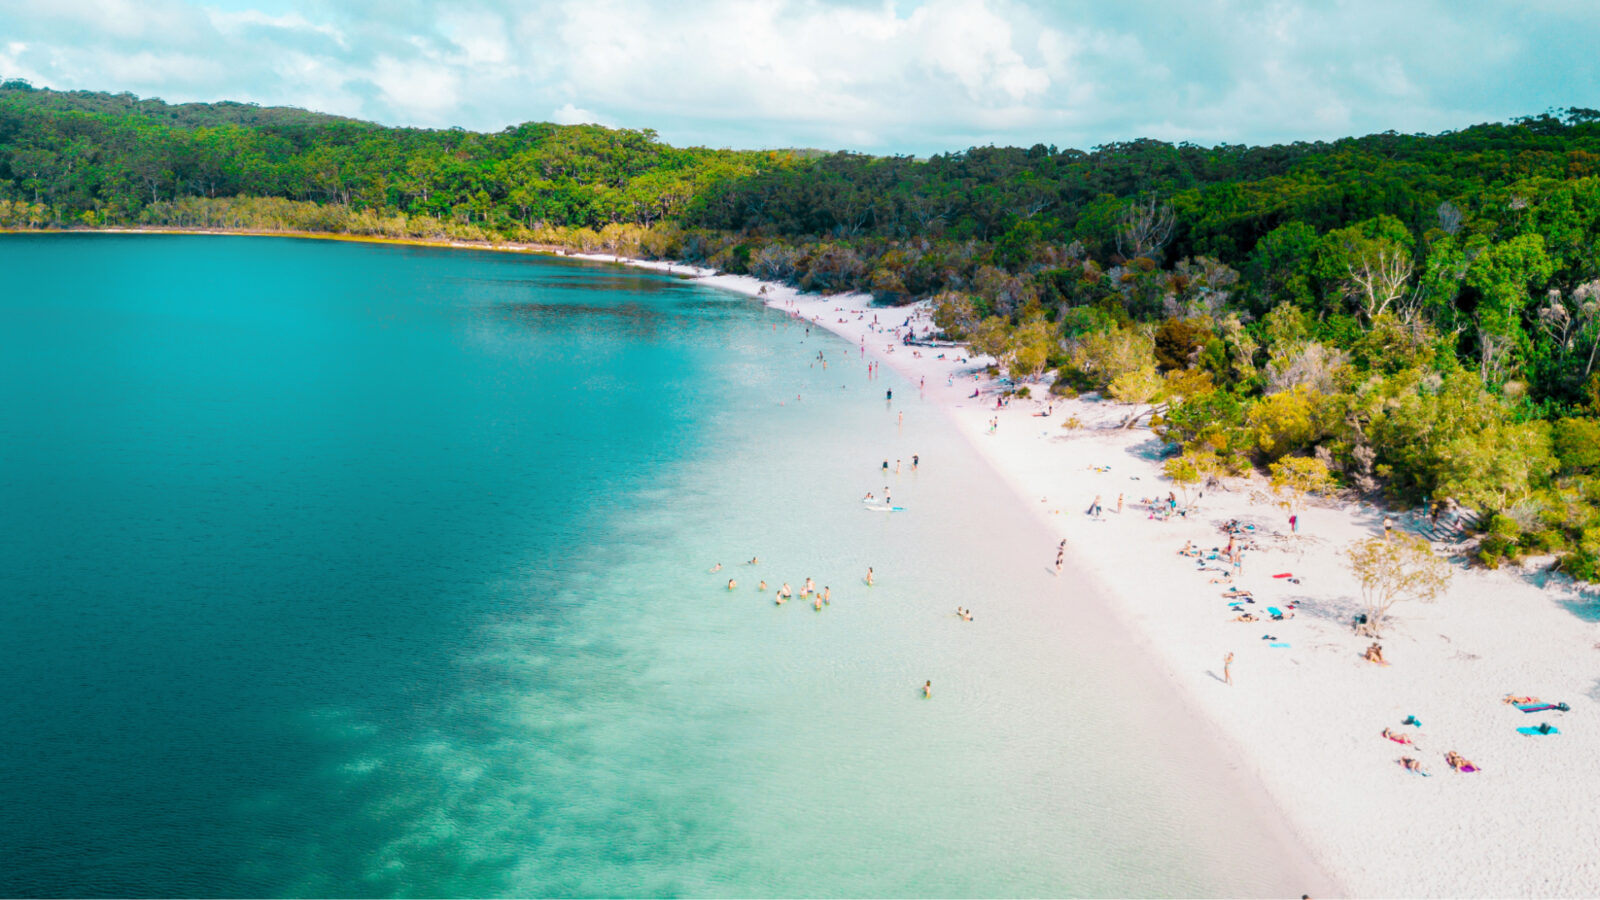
[{"x": 357, "y": 570}]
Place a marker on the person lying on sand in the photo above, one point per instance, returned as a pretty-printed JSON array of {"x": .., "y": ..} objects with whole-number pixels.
[
  {"x": 1244, "y": 617},
  {"x": 1399, "y": 738},
  {"x": 1375, "y": 654},
  {"x": 1236, "y": 594},
  {"x": 1520, "y": 701},
  {"x": 1412, "y": 765},
  {"x": 1460, "y": 763},
  {"x": 1188, "y": 549}
]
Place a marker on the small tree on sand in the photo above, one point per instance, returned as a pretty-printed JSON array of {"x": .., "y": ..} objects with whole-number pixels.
[
  {"x": 1402, "y": 568},
  {"x": 1294, "y": 477},
  {"x": 1193, "y": 467}
]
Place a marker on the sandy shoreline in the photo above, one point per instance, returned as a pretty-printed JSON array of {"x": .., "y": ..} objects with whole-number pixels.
[{"x": 1305, "y": 719}]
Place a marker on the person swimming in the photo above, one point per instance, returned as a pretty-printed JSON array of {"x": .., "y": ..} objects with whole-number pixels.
[
  {"x": 716, "y": 568},
  {"x": 762, "y": 587},
  {"x": 754, "y": 560}
]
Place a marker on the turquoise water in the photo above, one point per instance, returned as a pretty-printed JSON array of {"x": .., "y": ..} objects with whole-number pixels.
[{"x": 359, "y": 570}]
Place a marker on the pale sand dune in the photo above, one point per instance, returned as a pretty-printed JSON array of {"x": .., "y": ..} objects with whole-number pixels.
[{"x": 1306, "y": 719}]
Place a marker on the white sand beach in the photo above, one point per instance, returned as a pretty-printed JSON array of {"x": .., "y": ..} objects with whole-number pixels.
[{"x": 1306, "y": 713}]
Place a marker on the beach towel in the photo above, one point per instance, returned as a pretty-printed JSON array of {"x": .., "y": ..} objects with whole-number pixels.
[
  {"x": 1542, "y": 707},
  {"x": 1538, "y": 729},
  {"x": 1274, "y": 612},
  {"x": 1284, "y": 575},
  {"x": 1468, "y": 768},
  {"x": 1278, "y": 644}
]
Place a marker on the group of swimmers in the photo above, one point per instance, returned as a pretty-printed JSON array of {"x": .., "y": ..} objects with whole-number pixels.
[{"x": 820, "y": 598}]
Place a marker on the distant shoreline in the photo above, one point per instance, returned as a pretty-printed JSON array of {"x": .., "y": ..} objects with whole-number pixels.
[{"x": 498, "y": 247}]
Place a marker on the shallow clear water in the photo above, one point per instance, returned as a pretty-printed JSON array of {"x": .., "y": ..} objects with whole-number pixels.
[{"x": 356, "y": 570}]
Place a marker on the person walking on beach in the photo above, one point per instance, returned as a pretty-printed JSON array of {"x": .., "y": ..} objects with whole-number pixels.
[
  {"x": 1061, "y": 559},
  {"x": 886, "y": 467},
  {"x": 1119, "y": 504},
  {"x": 897, "y": 467},
  {"x": 1388, "y": 526},
  {"x": 914, "y": 460},
  {"x": 1294, "y": 524},
  {"x": 1227, "y": 669}
]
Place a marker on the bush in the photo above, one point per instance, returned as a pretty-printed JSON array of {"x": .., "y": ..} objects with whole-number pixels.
[{"x": 1582, "y": 565}]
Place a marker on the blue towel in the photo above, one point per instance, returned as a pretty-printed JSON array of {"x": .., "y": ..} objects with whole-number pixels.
[
  {"x": 1278, "y": 644},
  {"x": 1534, "y": 729},
  {"x": 1274, "y": 611}
]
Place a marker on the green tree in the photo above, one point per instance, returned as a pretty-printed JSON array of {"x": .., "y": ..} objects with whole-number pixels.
[
  {"x": 1294, "y": 478},
  {"x": 1502, "y": 274},
  {"x": 1402, "y": 568}
]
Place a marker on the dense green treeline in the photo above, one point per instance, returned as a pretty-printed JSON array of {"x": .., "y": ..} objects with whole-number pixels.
[
  {"x": 82, "y": 162},
  {"x": 1417, "y": 315}
]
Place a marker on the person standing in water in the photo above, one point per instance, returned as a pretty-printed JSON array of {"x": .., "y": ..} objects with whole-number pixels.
[
  {"x": 732, "y": 584},
  {"x": 827, "y": 595},
  {"x": 927, "y": 689},
  {"x": 869, "y": 576}
]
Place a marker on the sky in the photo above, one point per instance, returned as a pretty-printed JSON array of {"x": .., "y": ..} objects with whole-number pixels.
[{"x": 877, "y": 77}]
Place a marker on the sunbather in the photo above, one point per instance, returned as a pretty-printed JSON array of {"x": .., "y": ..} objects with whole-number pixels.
[
  {"x": 1459, "y": 762},
  {"x": 1399, "y": 738},
  {"x": 1374, "y": 653},
  {"x": 1520, "y": 701},
  {"x": 1412, "y": 765}
]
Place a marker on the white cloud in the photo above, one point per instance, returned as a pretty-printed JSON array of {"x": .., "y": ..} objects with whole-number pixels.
[
  {"x": 572, "y": 115},
  {"x": 427, "y": 92}
]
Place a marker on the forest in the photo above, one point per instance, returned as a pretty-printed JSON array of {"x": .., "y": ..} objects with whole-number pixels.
[{"x": 1415, "y": 317}]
